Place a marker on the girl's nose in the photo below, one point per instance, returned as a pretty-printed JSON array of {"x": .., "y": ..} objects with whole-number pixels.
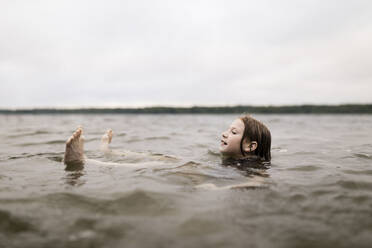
[{"x": 224, "y": 135}]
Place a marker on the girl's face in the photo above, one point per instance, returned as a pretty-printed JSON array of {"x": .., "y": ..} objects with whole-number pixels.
[{"x": 230, "y": 140}]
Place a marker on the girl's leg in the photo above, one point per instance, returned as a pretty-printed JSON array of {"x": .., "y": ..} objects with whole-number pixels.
[
  {"x": 74, "y": 153},
  {"x": 106, "y": 140}
]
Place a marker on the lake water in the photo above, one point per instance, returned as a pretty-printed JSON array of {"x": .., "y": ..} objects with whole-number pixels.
[{"x": 317, "y": 192}]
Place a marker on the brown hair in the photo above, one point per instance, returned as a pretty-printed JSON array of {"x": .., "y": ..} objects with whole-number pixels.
[{"x": 255, "y": 130}]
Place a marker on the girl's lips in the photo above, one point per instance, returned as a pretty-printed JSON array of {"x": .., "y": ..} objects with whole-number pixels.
[{"x": 223, "y": 142}]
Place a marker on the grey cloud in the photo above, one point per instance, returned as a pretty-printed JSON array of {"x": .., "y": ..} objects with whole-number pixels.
[{"x": 90, "y": 53}]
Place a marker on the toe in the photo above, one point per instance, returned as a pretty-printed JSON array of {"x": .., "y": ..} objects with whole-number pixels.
[
  {"x": 77, "y": 133},
  {"x": 109, "y": 134},
  {"x": 68, "y": 142}
]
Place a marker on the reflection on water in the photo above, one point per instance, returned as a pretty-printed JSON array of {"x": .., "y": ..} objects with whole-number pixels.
[
  {"x": 73, "y": 173},
  {"x": 73, "y": 176},
  {"x": 165, "y": 185}
]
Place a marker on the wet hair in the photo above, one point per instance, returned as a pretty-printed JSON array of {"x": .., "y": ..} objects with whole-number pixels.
[{"x": 255, "y": 130}]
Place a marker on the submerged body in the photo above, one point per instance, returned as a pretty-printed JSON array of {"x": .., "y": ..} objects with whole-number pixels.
[{"x": 237, "y": 150}]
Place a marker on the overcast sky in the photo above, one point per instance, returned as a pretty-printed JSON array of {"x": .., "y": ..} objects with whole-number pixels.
[{"x": 144, "y": 52}]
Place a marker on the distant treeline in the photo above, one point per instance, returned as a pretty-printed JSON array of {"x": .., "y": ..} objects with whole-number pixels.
[{"x": 295, "y": 109}]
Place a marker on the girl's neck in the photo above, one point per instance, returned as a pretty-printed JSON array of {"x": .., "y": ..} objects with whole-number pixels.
[
  {"x": 249, "y": 161},
  {"x": 241, "y": 158}
]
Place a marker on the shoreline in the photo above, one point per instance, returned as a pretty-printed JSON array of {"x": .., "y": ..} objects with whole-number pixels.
[{"x": 239, "y": 109}]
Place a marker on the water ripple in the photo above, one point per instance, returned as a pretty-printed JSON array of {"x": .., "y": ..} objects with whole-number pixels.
[
  {"x": 355, "y": 185},
  {"x": 136, "y": 202},
  {"x": 27, "y": 134},
  {"x": 362, "y": 155},
  {"x": 305, "y": 168},
  {"x": 358, "y": 172},
  {"x": 10, "y": 223},
  {"x": 51, "y": 142}
]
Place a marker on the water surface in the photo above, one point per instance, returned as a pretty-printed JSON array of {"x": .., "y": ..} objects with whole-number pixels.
[{"x": 317, "y": 193}]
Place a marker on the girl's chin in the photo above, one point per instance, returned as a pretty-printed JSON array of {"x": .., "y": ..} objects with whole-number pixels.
[
  {"x": 222, "y": 149},
  {"x": 225, "y": 153}
]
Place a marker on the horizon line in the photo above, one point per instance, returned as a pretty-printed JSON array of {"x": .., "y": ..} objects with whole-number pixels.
[
  {"x": 288, "y": 109},
  {"x": 179, "y": 106}
]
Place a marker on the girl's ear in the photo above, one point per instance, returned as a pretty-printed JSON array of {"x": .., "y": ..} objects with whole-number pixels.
[{"x": 249, "y": 146}]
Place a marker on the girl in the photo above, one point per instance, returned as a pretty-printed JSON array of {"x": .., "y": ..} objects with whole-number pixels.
[
  {"x": 247, "y": 140},
  {"x": 245, "y": 145}
]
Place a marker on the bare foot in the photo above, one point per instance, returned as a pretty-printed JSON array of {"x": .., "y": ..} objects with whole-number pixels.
[
  {"x": 106, "y": 140},
  {"x": 74, "y": 153}
]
